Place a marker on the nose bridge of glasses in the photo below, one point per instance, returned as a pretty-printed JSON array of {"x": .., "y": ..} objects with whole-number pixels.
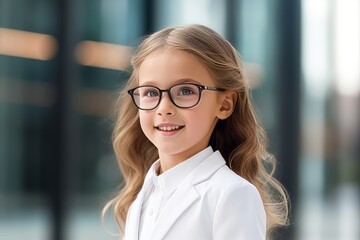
[
  {"x": 165, "y": 104},
  {"x": 168, "y": 95}
]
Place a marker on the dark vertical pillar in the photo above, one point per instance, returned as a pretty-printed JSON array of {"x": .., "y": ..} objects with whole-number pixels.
[
  {"x": 63, "y": 124},
  {"x": 149, "y": 9},
  {"x": 231, "y": 21},
  {"x": 288, "y": 71}
]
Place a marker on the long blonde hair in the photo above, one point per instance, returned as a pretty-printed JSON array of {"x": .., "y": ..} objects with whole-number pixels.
[{"x": 239, "y": 138}]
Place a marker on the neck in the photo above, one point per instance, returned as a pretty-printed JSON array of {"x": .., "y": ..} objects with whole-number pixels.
[{"x": 168, "y": 162}]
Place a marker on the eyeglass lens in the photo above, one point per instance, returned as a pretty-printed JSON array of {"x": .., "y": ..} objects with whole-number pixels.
[{"x": 182, "y": 95}]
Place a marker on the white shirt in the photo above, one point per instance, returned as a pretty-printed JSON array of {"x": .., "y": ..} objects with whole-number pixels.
[{"x": 163, "y": 187}]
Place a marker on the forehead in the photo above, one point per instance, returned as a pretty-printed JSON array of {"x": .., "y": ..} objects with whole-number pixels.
[{"x": 170, "y": 66}]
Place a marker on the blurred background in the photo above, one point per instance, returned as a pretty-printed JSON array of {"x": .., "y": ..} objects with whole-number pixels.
[{"x": 62, "y": 63}]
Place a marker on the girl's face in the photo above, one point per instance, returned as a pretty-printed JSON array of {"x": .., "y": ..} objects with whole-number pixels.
[{"x": 178, "y": 133}]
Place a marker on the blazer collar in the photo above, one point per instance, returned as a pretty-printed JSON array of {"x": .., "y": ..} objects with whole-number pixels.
[{"x": 186, "y": 195}]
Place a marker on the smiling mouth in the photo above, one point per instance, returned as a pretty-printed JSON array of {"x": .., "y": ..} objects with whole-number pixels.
[{"x": 169, "y": 128}]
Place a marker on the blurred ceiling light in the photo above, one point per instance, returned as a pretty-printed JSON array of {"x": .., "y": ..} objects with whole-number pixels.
[
  {"x": 103, "y": 55},
  {"x": 24, "y": 44},
  {"x": 347, "y": 46}
]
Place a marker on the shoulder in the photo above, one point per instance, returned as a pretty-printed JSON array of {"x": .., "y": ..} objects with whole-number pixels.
[
  {"x": 233, "y": 205},
  {"x": 229, "y": 184},
  {"x": 238, "y": 208},
  {"x": 226, "y": 182},
  {"x": 229, "y": 177},
  {"x": 215, "y": 176},
  {"x": 215, "y": 181}
]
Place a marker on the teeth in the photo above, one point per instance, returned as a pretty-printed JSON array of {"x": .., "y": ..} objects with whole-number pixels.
[{"x": 169, "y": 128}]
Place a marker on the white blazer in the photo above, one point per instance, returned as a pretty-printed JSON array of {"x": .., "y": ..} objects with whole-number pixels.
[{"x": 212, "y": 203}]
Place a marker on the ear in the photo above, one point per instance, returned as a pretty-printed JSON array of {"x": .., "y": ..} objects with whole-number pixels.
[{"x": 227, "y": 104}]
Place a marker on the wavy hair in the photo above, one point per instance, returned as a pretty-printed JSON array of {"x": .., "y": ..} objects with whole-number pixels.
[{"x": 240, "y": 138}]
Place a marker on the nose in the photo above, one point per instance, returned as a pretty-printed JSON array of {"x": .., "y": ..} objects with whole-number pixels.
[{"x": 166, "y": 107}]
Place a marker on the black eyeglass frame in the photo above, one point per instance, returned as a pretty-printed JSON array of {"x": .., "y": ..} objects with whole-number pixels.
[{"x": 168, "y": 91}]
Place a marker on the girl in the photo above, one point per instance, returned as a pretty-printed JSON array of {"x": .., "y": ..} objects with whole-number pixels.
[{"x": 189, "y": 146}]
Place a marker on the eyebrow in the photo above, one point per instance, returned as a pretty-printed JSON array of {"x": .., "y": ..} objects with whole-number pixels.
[{"x": 181, "y": 80}]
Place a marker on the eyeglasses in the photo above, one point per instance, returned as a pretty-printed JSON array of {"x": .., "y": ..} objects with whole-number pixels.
[{"x": 183, "y": 95}]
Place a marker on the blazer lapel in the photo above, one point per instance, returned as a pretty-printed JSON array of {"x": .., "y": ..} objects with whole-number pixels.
[
  {"x": 170, "y": 214},
  {"x": 186, "y": 195}
]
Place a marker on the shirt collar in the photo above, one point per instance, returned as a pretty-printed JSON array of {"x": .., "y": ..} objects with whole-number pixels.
[{"x": 172, "y": 178}]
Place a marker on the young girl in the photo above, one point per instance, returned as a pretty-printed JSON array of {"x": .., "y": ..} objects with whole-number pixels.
[{"x": 190, "y": 149}]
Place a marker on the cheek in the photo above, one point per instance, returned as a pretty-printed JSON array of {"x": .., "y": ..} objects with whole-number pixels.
[
  {"x": 202, "y": 119},
  {"x": 145, "y": 121}
]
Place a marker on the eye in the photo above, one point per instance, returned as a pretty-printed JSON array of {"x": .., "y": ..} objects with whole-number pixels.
[
  {"x": 185, "y": 91},
  {"x": 151, "y": 93}
]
